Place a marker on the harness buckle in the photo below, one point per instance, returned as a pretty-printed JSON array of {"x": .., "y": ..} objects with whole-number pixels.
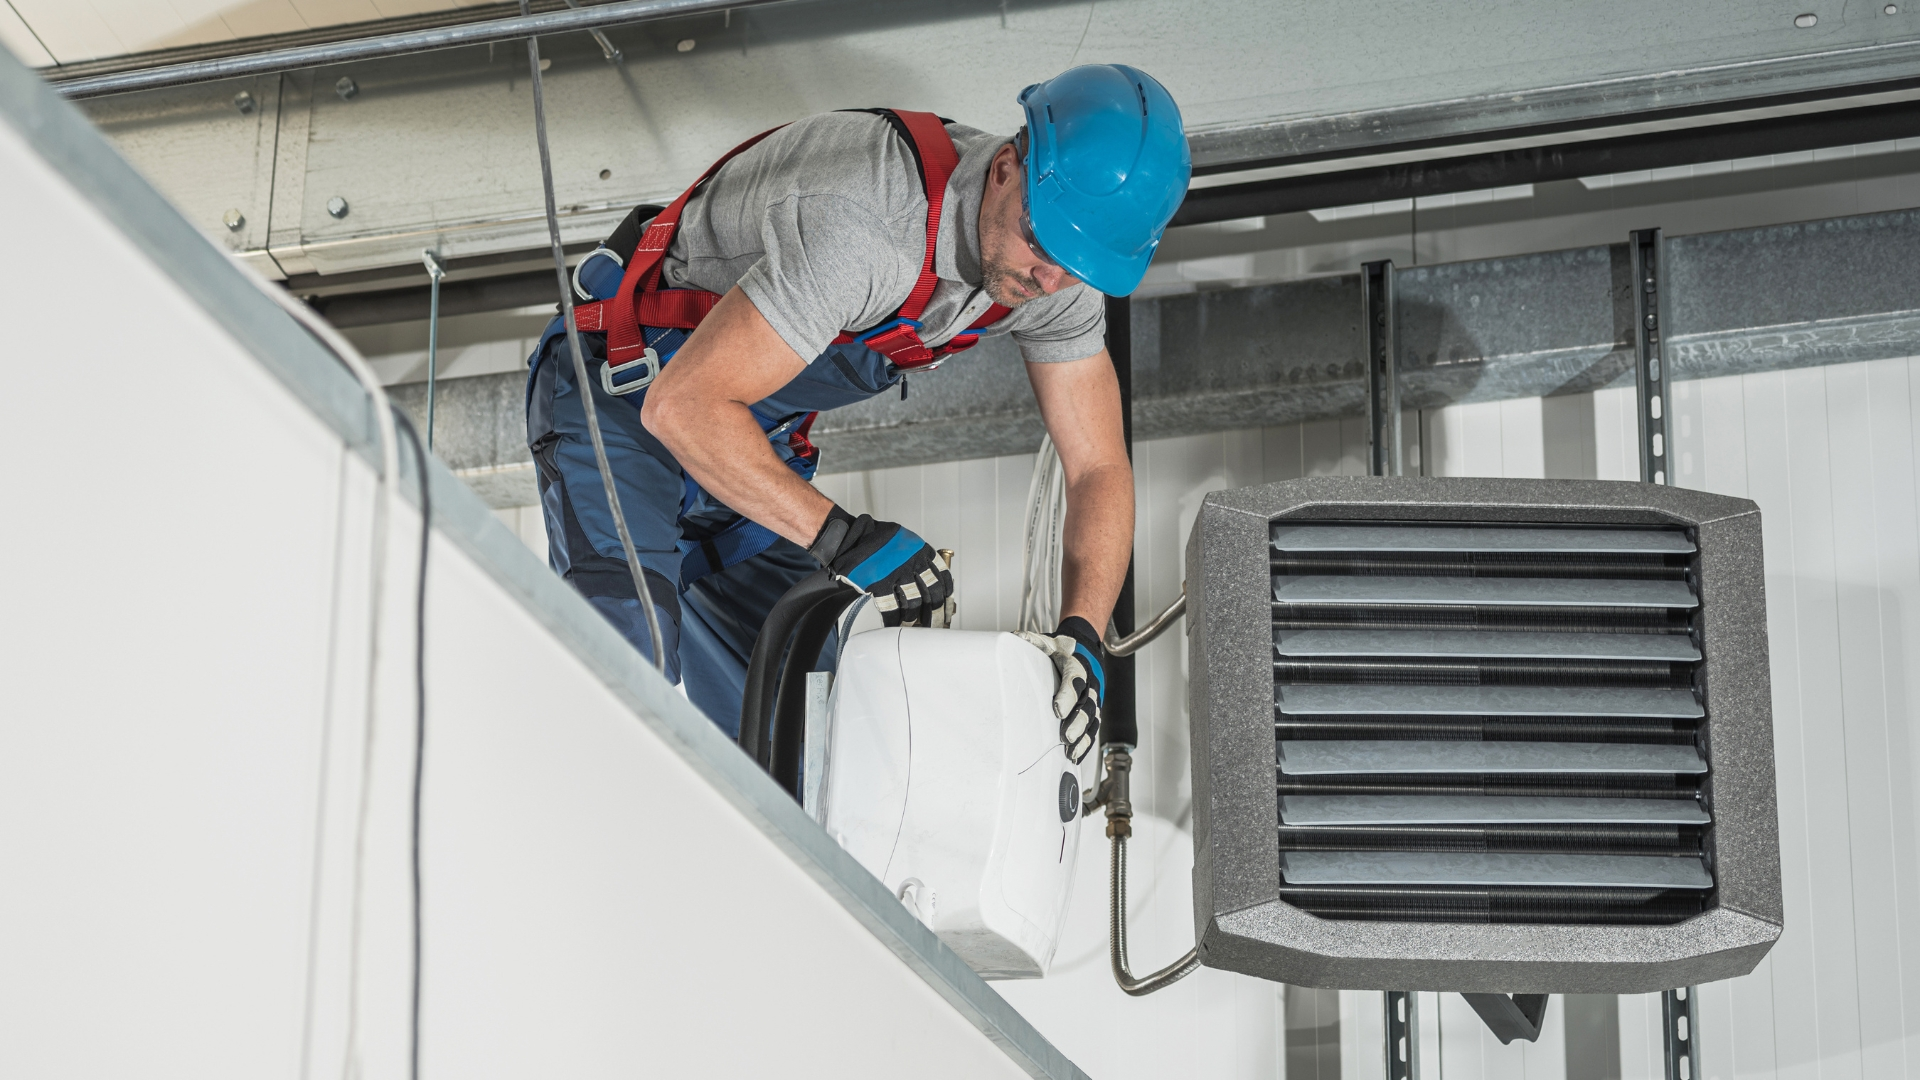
[
  {"x": 649, "y": 361},
  {"x": 888, "y": 327}
]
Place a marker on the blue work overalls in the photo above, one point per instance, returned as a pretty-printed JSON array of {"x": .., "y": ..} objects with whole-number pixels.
[{"x": 713, "y": 574}]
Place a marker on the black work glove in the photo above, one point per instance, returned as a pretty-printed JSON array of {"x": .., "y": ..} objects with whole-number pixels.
[
  {"x": 1079, "y": 658},
  {"x": 907, "y": 576}
]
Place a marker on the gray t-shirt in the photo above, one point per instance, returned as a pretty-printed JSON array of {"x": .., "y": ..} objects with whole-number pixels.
[{"x": 824, "y": 226}]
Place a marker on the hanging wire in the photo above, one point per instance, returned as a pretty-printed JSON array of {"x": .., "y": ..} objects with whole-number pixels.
[
  {"x": 581, "y": 377},
  {"x": 436, "y": 271},
  {"x": 419, "y": 729},
  {"x": 388, "y": 479}
]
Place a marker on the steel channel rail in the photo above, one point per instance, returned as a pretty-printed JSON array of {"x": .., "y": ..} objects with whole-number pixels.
[
  {"x": 274, "y": 61},
  {"x": 1383, "y": 369},
  {"x": 1650, "y": 382}
]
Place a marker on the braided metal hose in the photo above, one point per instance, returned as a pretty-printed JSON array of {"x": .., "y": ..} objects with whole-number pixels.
[{"x": 1115, "y": 795}]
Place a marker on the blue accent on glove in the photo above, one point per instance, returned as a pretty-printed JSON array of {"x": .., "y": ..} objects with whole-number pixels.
[
  {"x": 882, "y": 563},
  {"x": 1093, "y": 664}
]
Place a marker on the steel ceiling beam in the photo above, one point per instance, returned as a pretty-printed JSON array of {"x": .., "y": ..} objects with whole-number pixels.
[
  {"x": 431, "y": 39},
  {"x": 1543, "y": 164}
]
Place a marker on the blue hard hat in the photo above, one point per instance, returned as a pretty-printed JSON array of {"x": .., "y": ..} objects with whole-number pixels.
[{"x": 1107, "y": 165}]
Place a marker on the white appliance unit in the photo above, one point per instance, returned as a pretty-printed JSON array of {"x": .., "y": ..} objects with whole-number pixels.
[{"x": 942, "y": 772}]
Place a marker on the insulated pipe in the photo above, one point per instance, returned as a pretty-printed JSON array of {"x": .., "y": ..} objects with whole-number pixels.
[
  {"x": 274, "y": 61},
  {"x": 1134, "y": 642},
  {"x": 789, "y": 728},
  {"x": 763, "y": 669}
]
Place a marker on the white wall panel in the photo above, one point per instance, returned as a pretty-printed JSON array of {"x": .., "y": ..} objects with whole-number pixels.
[{"x": 207, "y": 817}]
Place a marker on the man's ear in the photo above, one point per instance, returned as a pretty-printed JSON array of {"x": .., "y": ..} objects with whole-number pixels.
[{"x": 1006, "y": 161}]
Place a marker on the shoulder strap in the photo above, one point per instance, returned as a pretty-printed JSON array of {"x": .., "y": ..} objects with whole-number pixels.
[{"x": 937, "y": 158}]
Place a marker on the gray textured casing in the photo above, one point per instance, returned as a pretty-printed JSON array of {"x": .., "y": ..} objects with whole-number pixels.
[{"x": 1240, "y": 921}]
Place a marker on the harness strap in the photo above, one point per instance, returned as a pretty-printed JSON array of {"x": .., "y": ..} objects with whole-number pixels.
[{"x": 623, "y": 322}]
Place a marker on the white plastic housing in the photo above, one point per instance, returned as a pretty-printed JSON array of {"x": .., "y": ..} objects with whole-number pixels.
[{"x": 944, "y": 775}]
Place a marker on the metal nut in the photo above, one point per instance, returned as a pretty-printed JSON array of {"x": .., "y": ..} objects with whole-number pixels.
[
  {"x": 244, "y": 102},
  {"x": 346, "y": 88},
  {"x": 337, "y": 206},
  {"x": 234, "y": 219}
]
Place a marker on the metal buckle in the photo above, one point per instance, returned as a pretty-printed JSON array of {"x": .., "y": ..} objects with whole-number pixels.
[{"x": 649, "y": 360}]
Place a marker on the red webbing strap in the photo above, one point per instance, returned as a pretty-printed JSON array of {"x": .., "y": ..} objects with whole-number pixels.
[
  {"x": 623, "y": 322},
  {"x": 683, "y": 308},
  {"x": 938, "y": 159}
]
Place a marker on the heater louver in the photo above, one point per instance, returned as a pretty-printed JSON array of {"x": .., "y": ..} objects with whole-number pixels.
[
  {"x": 1481, "y": 735},
  {"x": 1433, "y": 769}
]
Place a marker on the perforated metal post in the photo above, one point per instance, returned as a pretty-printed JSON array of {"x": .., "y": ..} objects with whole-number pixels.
[
  {"x": 1683, "y": 1049},
  {"x": 1650, "y": 370},
  {"x": 1383, "y": 459},
  {"x": 1403, "y": 1036},
  {"x": 1383, "y": 381}
]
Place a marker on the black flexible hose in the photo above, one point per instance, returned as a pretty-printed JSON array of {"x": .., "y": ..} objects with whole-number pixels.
[
  {"x": 790, "y": 704},
  {"x": 763, "y": 670}
]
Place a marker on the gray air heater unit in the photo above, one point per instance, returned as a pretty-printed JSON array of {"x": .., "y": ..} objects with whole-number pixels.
[{"x": 1501, "y": 736}]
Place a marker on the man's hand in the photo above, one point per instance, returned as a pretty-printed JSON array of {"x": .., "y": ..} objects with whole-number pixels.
[
  {"x": 1079, "y": 661},
  {"x": 910, "y": 578}
]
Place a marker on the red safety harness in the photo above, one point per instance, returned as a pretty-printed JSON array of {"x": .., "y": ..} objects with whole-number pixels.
[{"x": 642, "y": 302}]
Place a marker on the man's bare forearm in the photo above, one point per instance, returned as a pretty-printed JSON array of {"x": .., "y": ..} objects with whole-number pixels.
[
  {"x": 1098, "y": 543},
  {"x": 698, "y": 408},
  {"x": 720, "y": 444}
]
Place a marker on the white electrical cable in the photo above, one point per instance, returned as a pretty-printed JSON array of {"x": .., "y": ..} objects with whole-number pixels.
[
  {"x": 1041, "y": 559},
  {"x": 343, "y": 350}
]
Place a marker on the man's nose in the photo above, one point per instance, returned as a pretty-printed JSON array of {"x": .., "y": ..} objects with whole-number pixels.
[{"x": 1052, "y": 278}]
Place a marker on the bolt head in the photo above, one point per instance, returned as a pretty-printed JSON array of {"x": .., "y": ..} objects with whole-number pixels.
[
  {"x": 244, "y": 102},
  {"x": 234, "y": 219},
  {"x": 337, "y": 207},
  {"x": 346, "y": 88},
  {"x": 685, "y": 45}
]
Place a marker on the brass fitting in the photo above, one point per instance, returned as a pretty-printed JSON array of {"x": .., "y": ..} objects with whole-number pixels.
[{"x": 1115, "y": 793}]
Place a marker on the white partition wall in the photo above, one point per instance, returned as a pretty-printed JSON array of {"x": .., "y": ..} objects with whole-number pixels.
[{"x": 209, "y": 824}]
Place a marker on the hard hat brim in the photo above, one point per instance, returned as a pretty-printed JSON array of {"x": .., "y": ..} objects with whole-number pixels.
[{"x": 1111, "y": 272}]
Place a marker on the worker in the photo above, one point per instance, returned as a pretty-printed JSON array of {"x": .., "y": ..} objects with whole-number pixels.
[{"x": 818, "y": 265}]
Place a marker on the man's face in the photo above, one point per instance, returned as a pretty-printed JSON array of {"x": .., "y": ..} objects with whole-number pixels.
[{"x": 1013, "y": 268}]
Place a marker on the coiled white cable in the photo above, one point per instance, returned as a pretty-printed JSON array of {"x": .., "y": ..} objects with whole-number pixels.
[{"x": 1041, "y": 559}]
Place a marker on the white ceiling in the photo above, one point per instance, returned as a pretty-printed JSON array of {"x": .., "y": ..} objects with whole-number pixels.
[{"x": 45, "y": 32}]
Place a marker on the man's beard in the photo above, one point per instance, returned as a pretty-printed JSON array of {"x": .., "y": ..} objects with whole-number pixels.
[{"x": 995, "y": 276}]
